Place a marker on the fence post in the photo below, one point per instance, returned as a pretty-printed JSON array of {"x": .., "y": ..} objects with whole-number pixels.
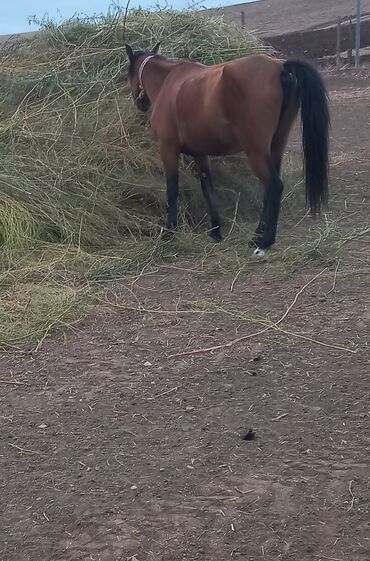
[
  {"x": 242, "y": 19},
  {"x": 339, "y": 41},
  {"x": 358, "y": 32},
  {"x": 350, "y": 35}
]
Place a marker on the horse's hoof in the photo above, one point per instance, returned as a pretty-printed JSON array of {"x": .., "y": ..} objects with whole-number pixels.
[
  {"x": 216, "y": 235},
  {"x": 259, "y": 253}
]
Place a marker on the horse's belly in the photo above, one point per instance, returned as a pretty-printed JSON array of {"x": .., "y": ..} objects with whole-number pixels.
[{"x": 200, "y": 138}]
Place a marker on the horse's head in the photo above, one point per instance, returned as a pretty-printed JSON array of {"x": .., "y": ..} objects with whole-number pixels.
[{"x": 137, "y": 62}]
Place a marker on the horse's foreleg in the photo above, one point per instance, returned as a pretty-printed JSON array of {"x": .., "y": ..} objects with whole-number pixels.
[
  {"x": 266, "y": 171},
  {"x": 208, "y": 192},
  {"x": 170, "y": 159}
]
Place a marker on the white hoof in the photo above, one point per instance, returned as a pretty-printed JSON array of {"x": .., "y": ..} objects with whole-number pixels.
[{"x": 259, "y": 253}]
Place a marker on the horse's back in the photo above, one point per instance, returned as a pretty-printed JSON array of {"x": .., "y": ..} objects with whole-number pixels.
[
  {"x": 201, "y": 115},
  {"x": 189, "y": 111}
]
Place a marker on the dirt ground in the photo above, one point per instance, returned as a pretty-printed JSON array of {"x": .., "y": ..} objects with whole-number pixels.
[{"x": 111, "y": 448}]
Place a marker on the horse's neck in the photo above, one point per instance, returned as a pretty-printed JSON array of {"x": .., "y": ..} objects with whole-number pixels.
[{"x": 156, "y": 73}]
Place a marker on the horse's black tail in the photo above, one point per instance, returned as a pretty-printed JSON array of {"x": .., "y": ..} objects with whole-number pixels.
[{"x": 303, "y": 83}]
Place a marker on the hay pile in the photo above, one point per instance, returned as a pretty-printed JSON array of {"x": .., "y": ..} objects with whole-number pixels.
[
  {"x": 77, "y": 163},
  {"x": 79, "y": 173}
]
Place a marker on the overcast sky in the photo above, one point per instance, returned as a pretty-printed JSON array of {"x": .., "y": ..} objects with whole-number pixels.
[{"x": 14, "y": 14}]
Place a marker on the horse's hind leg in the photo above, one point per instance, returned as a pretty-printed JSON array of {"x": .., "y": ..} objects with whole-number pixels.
[
  {"x": 266, "y": 170},
  {"x": 208, "y": 192},
  {"x": 280, "y": 138}
]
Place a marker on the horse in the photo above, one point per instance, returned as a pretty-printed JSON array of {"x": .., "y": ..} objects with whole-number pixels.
[{"x": 246, "y": 105}]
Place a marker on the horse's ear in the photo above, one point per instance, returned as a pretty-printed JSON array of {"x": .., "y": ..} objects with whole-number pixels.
[
  {"x": 157, "y": 48},
  {"x": 129, "y": 52}
]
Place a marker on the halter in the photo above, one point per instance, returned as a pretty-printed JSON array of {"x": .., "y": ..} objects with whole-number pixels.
[{"x": 141, "y": 70}]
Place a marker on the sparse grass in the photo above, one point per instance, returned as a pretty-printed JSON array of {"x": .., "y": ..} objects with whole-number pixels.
[
  {"x": 30, "y": 311},
  {"x": 52, "y": 286}
]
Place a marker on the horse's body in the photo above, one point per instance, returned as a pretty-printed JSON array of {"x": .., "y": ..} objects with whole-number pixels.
[
  {"x": 195, "y": 94},
  {"x": 245, "y": 105}
]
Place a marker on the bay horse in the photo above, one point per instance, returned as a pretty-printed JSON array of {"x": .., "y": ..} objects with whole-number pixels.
[{"x": 249, "y": 105}]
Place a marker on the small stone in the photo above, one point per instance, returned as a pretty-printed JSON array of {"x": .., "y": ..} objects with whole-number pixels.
[
  {"x": 250, "y": 435},
  {"x": 133, "y": 487},
  {"x": 42, "y": 426},
  {"x": 147, "y": 363}
]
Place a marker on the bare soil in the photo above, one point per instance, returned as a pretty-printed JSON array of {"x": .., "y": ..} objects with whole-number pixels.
[
  {"x": 276, "y": 17},
  {"x": 113, "y": 449}
]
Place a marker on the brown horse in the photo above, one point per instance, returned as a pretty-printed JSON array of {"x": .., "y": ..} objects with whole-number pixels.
[{"x": 246, "y": 105}]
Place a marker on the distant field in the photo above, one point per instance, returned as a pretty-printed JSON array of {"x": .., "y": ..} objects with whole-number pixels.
[
  {"x": 6, "y": 38},
  {"x": 301, "y": 28},
  {"x": 278, "y": 17}
]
